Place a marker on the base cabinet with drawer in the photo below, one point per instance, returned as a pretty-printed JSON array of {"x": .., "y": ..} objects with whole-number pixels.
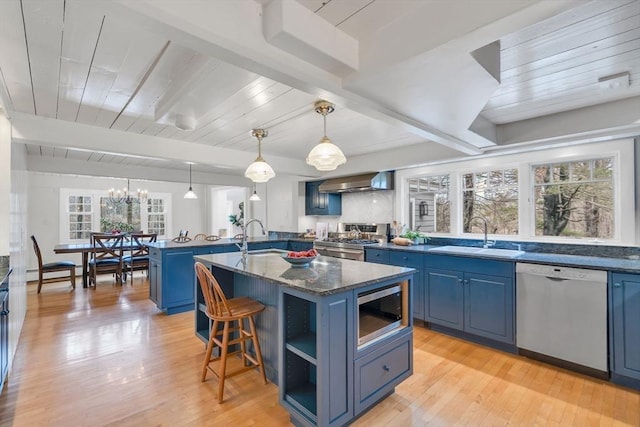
[
  {"x": 476, "y": 296},
  {"x": 624, "y": 330},
  {"x": 324, "y": 378}
]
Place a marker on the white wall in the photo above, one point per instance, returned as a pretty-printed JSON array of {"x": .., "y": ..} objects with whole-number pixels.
[
  {"x": 5, "y": 182},
  {"x": 285, "y": 202},
  {"x": 44, "y": 209},
  {"x": 224, "y": 202},
  {"x": 19, "y": 245}
]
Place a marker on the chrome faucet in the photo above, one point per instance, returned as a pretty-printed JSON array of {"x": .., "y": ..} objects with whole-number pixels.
[
  {"x": 243, "y": 243},
  {"x": 486, "y": 243}
]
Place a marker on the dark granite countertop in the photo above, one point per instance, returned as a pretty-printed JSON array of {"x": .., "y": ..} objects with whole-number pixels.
[
  {"x": 626, "y": 265},
  {"x": 168, "y": 244},
  {"x": 324, "y": 276}
]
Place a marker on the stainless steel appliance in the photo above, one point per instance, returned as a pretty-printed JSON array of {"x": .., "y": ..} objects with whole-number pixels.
[
  {"x": 350, "y": 240},
  {"x": 380, "y": 312},
  {"x": 562, "y": 314}
]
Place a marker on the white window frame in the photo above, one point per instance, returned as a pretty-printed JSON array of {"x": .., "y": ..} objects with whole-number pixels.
[
  {"x": 95, "y": 205},
  {"x": 624, "y": 185}
]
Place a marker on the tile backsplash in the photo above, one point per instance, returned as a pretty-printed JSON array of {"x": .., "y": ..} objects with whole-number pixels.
[{"x": 368, "y": 206}]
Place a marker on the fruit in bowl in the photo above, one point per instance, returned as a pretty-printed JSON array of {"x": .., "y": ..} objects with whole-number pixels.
[{"x": 300, "y": 258}]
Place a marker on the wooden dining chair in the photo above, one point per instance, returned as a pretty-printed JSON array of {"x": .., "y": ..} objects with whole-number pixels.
[
  {"x": 238, "y": 236},
  {"x": 212, "y": 238},
  {"x": 53, "y": 267},
  {"x": 138, "y": 257},
  {"x": 106, "y": 256},
  {"x": 223, "y": 313},
  {"x": 200, "y": 236}
]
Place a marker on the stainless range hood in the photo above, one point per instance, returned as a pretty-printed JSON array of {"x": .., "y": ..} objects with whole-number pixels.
[{"x": 366, "y": 182}]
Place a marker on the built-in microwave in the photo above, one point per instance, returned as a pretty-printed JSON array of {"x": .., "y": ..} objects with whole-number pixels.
[{"x": 381, "y": 312}]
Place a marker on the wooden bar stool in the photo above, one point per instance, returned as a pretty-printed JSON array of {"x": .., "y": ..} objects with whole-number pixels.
[{"x": 223, "y": 312}]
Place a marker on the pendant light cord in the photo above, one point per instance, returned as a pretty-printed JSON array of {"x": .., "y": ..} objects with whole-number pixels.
[{"x": 189, "y": 176}]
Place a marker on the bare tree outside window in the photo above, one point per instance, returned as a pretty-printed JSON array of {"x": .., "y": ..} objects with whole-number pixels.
[
  {"x": 575, "y": 199},
  {"x": 492, "y": 195}
]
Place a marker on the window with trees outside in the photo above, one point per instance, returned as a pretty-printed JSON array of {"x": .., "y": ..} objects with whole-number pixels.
[
  {"x": 87, "y": 211},
  {"x": 575, "y": 199},
  {"x": 431, "y": 204},
  {"x": 490, "y": 196}
]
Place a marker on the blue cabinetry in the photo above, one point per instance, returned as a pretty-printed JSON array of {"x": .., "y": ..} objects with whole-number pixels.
[
  {"x": 472, "y": 295},
  {"x": 625, "y": 328},
  {"x": 416, "y": 261},
  {"x": 258, "y": 246},
  {"x": 172, "y": 277},
  {"x": 315, "y": 375},
  {"x": 295, "y": 245},
  {"x": 317, "y": 203},
  {"x": 379, "y": 256}
]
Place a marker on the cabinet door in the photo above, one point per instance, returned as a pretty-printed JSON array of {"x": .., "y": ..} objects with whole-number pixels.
[
  {"x": 178, "y": 278},
  {"x": 317, "y": 203},
  {"x": 626, "y": 324},
  {"x": 155, "y": 280},
  {"x": 412, "y": 260},
  {"x": 444, "y": 301},
  {"x": 489, "y": 306},
  {"x": 299, "y": 246},
  {"x": 379, "y": 256}
]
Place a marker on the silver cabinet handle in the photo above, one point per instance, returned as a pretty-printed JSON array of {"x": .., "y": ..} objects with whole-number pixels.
[
  {"x": 386, "y": 368},
  {"x": 617, "y": 285}
]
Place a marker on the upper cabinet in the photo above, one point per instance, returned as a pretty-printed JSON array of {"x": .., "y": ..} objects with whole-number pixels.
[{"x": 317, "y": 203}]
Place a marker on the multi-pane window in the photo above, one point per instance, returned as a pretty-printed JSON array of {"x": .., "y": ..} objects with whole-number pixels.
[
  {"x": 575, "y": 199},
  {"x": 430, "y": 203},
  {"x": 80, "y": 216},
  {"x": 120, "y": 216},
  {"x": 86, "y": 211},
  {"x": 156, "y": 216},
  {"x": 491, "y": 196}
]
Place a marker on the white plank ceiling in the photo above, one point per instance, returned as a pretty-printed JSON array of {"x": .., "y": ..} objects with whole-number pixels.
[{"x": 155, "y": 69}]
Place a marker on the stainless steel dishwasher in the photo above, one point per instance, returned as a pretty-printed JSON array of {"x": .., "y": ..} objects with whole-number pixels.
[{"x": 562, "y": 315}]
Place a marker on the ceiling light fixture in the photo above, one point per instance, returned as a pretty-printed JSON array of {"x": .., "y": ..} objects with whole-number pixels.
[
  {"x": 115, "y": 196},
  {"x": 254, "y": 197},
  {"x": 326, "y": 156},
  {"x": 259, "y": 170},
  {"x": 190, "y": 194}
]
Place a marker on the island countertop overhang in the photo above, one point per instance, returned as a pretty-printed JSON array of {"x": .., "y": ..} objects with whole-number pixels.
[{"x": 324, "y": 276}]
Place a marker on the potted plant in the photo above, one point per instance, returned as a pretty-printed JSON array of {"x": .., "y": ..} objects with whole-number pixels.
[{"x": 416, "y": 237}]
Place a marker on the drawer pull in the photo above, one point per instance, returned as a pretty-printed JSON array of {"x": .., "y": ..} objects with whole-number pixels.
[
  {"x": 616, "y": 285},
  {"x": 386, "y": 368}
]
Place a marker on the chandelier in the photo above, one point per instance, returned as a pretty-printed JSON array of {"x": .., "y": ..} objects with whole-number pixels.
[
  {"x": 326, "y": 156},
  {"x": 259, "y": 170},
  {"x": 124, "y": 196}
]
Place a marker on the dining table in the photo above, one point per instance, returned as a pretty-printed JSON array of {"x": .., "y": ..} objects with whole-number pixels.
[{"x": 85, "y": 249}]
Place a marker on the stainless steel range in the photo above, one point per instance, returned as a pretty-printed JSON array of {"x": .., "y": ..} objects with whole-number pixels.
[{"x": 350, "y": 240}]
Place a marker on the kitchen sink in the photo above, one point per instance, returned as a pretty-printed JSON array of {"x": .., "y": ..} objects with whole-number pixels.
[
  {"x": 263, "y": 252},
  {"x": 468, "y": 250}
]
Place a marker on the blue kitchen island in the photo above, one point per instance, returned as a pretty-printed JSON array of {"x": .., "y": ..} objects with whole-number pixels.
[{"x": 336, "y": 336}]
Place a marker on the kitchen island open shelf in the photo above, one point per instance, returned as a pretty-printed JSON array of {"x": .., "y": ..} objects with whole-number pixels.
[{"x": 313, "y": 354}]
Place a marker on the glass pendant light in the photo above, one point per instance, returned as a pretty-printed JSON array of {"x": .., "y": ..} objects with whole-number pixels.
[
  {"x": 190, "y": 194},
  {"x": 259, "y": 170},
  {"x": 326, "y": 156},
  {"x": 254, "y": 197}
]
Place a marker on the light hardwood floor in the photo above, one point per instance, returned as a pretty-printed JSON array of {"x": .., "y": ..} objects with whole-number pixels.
[{"x": 108, "y": 357}]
